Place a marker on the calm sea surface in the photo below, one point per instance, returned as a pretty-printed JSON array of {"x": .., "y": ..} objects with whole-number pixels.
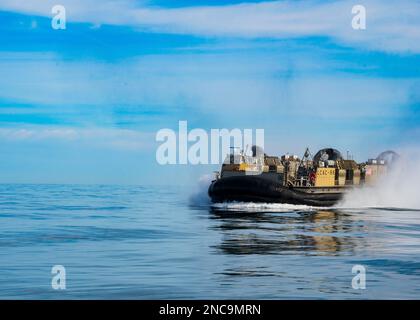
[{"x": 138, "y": 242}]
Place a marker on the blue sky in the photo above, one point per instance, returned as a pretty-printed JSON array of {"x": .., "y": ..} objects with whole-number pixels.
[{"x": 83, "y": 105}]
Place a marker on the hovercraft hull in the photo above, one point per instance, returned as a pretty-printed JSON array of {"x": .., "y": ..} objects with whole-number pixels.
[{"x": 257, "y": 189}]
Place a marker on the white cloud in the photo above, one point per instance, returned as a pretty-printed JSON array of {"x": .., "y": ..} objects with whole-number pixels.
[
  {"x": 391, "y": 25},
  {"x": 227, "y": 84},
  {"x": 122, "y": 139}
]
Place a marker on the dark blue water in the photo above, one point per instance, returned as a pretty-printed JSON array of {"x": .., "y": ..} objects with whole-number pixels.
[{"x": 137, "y": 242}]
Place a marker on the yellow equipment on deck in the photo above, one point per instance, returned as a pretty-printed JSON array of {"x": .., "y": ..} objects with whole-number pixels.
[{"x": 325, "y": 177}]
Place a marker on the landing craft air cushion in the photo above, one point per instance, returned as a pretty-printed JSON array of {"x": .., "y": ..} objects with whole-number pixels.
[{"x": 320, "y": 180}]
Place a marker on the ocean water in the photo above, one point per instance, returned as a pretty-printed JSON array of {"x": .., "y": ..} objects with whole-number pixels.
[{"x": 141, "y": 242}]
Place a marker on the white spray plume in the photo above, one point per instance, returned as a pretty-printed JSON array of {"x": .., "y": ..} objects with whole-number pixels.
[
  {"x": 239, "y": 206},
  {"x": 400, "y": 188},
  {"x": 200, "y": 196}
]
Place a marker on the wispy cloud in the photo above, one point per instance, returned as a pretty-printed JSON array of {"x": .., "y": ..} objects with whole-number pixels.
[
  {"x": 122, "y": 139},
  {"x": 168, "y": 83},
  {"x": 391, "y": 25}
]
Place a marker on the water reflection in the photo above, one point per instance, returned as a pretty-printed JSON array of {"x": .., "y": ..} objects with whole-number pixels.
[{"x": 322, "y": 232}]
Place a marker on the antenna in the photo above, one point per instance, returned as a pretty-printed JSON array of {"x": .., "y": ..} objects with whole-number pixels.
[{"x": 306, "y": 156}]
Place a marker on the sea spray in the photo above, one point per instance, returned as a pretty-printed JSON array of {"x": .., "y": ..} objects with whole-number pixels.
[
  {"x": 238, "y": 206},
  {"x": 200, "y": 196},
  {"x": 399, "y": 188}
]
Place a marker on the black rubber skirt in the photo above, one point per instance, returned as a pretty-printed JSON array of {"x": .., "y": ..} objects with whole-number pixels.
[{"x": 257, "y": 189}]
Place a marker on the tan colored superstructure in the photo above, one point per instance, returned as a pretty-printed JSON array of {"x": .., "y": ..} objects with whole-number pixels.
[{"x": 327, "y": 169}]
